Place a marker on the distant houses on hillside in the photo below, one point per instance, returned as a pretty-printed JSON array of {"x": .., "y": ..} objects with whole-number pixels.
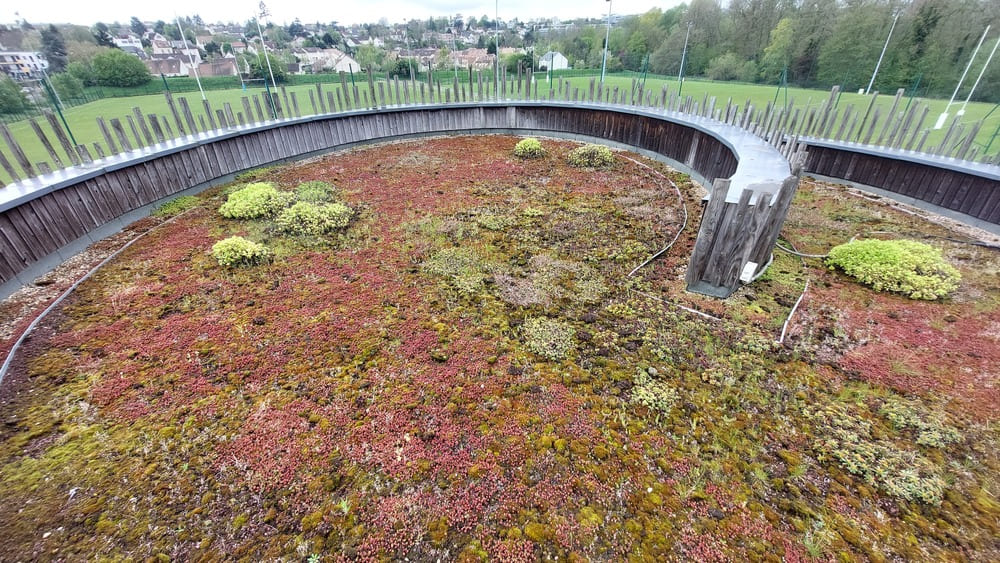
[{"x": 228, "y": 49}]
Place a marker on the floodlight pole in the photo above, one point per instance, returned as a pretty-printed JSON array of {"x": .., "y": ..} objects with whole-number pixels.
[
  {"x": 263, "y": 13},
  {"x": 880, "y": 57},
  {"x": 944, "y": 116},
  {"x": 607, "y": 37},
  {"x": 454, "y": 57},
  {"x": 51, "y": 88},
  {"x": 496, "y": 45},
  {"x": 190, "y": 58},
  {"x": 410, "y": 58},
  {"x": 680, "y": 73},
  {"x": 980, "y": 77}
]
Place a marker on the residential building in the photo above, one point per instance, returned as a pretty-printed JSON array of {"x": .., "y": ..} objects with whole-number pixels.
[
  {"x": 317, "y": 60},
  {"x": 169, "y": 65},
  {"x": 224, "y": 66},
  {"x": 477, "y": 59},
  {"x": 23, "y": 65},
  {"x": 162, "y": 47},
  {"x": 128, "y": 40}
]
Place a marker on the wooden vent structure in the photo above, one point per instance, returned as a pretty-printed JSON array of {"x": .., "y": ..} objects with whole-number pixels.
[{"x": 738, "y": 232}]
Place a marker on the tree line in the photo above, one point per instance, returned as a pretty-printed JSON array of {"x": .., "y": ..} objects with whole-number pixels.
[{"x": 810, "y": 43}]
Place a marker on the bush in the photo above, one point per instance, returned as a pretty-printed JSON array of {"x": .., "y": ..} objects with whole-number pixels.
[
  {"x": 731, "y": 67},
  {"x": 309, "y": 219},
  {"x": 548, "y": 338},
  {"x": 902, "y": 266},
  {"x": 314, "y": 192},
  {"x": 254, "y": 201},
  {"x": 118, "y": 68},
  {"x": 238, "y": 251},
  {"x": 591, "y": 156},
  {"x": 529, "y": 148}
]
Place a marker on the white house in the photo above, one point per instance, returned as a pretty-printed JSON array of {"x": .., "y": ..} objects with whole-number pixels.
[
  {"x": 326, "y": 60},
  {"x": 127, "y": 40},
  {"x": 553, "y": 60}
]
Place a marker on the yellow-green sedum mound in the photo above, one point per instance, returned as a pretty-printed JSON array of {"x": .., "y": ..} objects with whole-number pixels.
[
  {"x": 529, "y": 148},
  {"x": 234, "y": 252},
  {"x": 911, "y": 268},
  {"x": 255, "y": 201},
  {"x": 310, "y": 219},
  {"x": 591, "y": 156}
]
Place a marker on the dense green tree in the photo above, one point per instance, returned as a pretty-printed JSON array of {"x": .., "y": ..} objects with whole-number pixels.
[
  {"x": 751, "y": 22},
  {"x": 370, "y": 56},
  {"x": 778, "y": 53},
  {"x": 172, "y": 32},
  {"x": 213, "y": 49},
  {"x": 813, "y": 25},
  {"x": 12, "y": 100},
  {"x": 67, "y": 85},
  {"x": 258, "y": 67},
  {"x": 331, "y": 39},
  {"x": 54, "y": 49},
  {"x": 118, "y": 68},
  {"x": 848, "y": 57},
  {"x": 403, "y": 66},
  {"x": 103, "y": 36},
  {"x": 82, "y": 71},
  {"x": 136, "y": 25},
  {"x": 296, "y": 29},
  {"x": 522, "y": 60}
]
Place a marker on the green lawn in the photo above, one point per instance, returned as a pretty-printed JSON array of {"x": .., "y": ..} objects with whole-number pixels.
[{"x": 82, "y": 119}]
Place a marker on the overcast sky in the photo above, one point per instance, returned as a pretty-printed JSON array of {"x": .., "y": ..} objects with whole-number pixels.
[{"x": 285, "y": 11}]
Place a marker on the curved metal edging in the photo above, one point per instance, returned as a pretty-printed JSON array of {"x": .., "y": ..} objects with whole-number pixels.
[
  {"x": 62, "y": 212},
  {"x": 757, "y": 161}
]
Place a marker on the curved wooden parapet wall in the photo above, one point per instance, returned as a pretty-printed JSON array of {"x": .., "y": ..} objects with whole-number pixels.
[
  {"x": 968, "y": 191},
  {"x": 46, "y": 219}
]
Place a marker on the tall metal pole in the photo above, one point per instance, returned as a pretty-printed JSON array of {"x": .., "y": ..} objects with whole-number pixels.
[
  {"x": 51, "y": 89},
  {"x": 190, "y": 58},
  {"x": 496, "y": 44},
  {"x": 263, "y": 13},
  {"x": 410, "y": 57},
  {"x": 944, "y": 116},
  {"x": 880, "y": 57},
  {"x": 980, "y": 77},
  {"x": 680, "y": 73},
  {"x": 607, "y": 37},
  {"x": 454, "y": 58},
  {"x": 995, "y": 133}
]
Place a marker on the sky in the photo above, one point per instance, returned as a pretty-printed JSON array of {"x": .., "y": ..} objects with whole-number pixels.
[{"x": 308, "y": 11}]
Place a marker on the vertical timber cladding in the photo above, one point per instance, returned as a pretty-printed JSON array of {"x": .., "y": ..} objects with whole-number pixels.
[{"x": 952, "y": 189}]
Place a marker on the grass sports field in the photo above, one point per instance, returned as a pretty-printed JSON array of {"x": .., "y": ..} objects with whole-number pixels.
[{"x": 82, "y": 119}]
